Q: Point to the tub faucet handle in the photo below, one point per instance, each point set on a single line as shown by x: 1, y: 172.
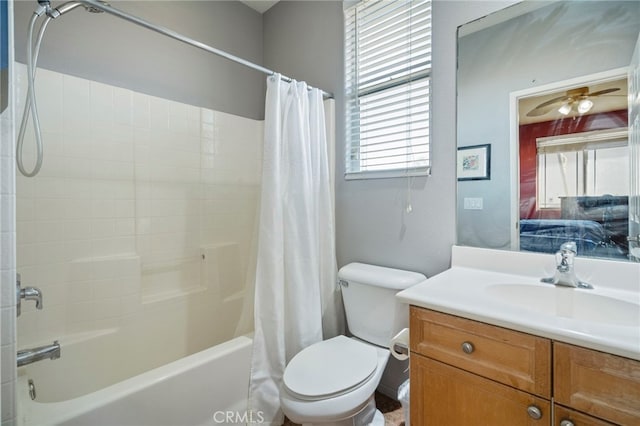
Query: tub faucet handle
x: 27, y: 293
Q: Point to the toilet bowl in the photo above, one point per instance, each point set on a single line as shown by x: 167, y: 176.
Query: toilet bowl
x: 332, y: 383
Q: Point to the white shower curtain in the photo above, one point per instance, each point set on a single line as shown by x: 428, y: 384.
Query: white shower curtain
x: 295, y: 286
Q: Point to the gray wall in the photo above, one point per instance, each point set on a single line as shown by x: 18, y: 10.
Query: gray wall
x: 304, y: 39
x: 106, y: 49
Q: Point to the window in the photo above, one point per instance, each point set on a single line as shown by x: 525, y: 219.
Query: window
x: 590, y: 163
x: 388, y: 72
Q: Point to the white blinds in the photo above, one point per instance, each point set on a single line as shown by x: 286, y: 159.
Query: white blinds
x: 388, y: 69
x: 597, y: 139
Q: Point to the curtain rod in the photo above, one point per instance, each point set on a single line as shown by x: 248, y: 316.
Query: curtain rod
x: 177, y: 36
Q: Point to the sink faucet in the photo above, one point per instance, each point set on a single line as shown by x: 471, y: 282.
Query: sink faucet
x: 28, y: 356
x: 565, y: 274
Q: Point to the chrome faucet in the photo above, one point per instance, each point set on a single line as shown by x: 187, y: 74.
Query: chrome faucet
x: 28, y: 356
x: 565, y: 274
x: 27, y: 293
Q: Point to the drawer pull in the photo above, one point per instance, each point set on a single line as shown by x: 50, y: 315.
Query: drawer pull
x: 534, y: 412
x: 567, y: 423
x: 467, y: 347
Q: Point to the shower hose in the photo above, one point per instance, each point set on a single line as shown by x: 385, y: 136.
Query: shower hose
x: 30, y: 107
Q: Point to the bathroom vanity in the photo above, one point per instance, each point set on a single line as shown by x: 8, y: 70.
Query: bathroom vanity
x: 489, y: 346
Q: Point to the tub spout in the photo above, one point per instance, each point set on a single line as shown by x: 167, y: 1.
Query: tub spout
x: 28, y: 356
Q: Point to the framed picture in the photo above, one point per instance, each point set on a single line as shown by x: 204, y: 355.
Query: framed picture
x: 474, y: 162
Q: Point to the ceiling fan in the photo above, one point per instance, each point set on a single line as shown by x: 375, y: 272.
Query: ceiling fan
x: 578, y: 98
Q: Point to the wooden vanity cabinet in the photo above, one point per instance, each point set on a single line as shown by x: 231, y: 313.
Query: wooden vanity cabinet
x: 465, y: 372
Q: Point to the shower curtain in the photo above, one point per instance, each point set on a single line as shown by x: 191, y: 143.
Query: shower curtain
x: 295, y: 285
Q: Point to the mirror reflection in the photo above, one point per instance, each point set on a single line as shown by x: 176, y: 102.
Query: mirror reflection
x: 545, y: 85
x: 574, y: 169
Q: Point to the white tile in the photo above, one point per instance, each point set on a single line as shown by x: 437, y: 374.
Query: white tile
x: 8, y: 315
x: 80, y: 313
x: 76, y: 104
x: 103, y: 228
x: 7, y: 176
x: 50, y: 209
x: 101, y: 103
x: 7, y: 289
x: 123, y: 106
x: 125, y: 208
x: 8, y: 402
x: 125, y: 227
x: 80, y: 271
x: 141, y: 115
x: 51, y: 323
x: 27, y: 327
x: 106, y: 289
x: 159, y: 114
x: 77, y: 229
x: 80, y: 291
x: 77, y: 249
x: 50, y: 231
x: 7, y: 248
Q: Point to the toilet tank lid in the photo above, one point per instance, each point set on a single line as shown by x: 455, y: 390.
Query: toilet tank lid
x: 380, y: 276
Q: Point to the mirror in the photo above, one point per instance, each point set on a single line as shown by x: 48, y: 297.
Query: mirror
x: 554, y: 54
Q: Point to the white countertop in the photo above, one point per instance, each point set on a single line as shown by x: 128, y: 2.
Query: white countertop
x: 606, y: 318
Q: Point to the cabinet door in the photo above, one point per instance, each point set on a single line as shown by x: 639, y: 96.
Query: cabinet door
x: 445, y: 395
x: 601, y: 384
x: 566, y: 417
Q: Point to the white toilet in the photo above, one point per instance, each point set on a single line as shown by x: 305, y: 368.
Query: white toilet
x: 332, y: 383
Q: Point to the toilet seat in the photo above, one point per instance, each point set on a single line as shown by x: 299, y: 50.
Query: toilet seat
x: 330, y: 368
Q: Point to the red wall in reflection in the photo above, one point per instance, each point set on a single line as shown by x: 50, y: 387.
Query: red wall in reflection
x: 528, y: 157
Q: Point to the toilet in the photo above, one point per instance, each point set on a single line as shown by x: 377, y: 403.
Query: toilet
x: 332, y: 383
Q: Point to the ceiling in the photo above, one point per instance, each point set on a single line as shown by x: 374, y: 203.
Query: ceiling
x: 260, y: 5
x: 613, y: 101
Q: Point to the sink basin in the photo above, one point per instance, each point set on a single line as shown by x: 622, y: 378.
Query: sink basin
x: 568, y: 302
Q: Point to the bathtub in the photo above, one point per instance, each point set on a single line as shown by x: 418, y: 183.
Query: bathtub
x: 207, y: 388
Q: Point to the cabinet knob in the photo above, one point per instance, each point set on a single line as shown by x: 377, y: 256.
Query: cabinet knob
x: 467, y: 347
x: 534, y: 412
x: 566, y: 423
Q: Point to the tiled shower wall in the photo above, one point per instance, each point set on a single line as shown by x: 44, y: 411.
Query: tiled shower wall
x: 134, y: 193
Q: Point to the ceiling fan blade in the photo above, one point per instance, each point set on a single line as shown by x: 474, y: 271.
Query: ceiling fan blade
x: 603, y: 92
x: 547, y: 106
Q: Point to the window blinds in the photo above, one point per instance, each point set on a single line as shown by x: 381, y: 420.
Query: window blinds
x: 597, y: 139
x: 388, y: 69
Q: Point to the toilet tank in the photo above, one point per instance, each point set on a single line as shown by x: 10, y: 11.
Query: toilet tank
x: 368, y: 292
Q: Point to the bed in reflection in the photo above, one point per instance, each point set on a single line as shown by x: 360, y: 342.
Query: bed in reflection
x: 598, y: 225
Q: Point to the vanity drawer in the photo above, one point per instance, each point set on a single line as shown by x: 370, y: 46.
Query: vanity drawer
x: 562, y: 415
x: 516, y: 359
x: 604, y: 385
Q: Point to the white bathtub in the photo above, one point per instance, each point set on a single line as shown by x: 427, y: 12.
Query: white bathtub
x: 206, y: 388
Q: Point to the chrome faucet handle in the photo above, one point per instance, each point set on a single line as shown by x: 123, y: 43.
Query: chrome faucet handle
x: 565, y: 256
x: 27, y: 293
x: 569, y: 247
